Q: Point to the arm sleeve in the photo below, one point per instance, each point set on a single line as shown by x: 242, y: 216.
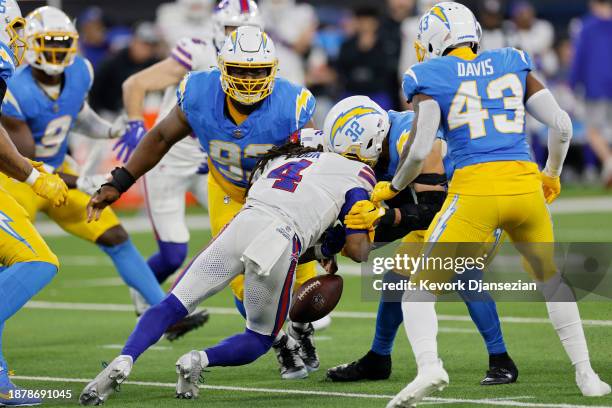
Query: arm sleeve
x: 543, y: 106
x: 350, y: 198
x: 90, y: 124
x: 428, y: 121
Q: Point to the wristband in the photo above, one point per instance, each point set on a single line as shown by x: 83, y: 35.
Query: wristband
x: 318, y: 253
x: 33, y: 176
x: 122, y: 180
x: 392, y: 188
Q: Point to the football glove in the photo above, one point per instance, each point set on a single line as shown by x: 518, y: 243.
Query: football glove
x: 49, y: 186
x: 129, y: 140
x: 382, y: 192
x: 551, y: 186
x: 333, y: 241
x: 363, y: 215
x: 91, y: 184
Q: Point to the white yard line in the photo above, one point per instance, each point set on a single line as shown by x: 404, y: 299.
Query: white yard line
x: 114, y: 307
x: 508, y: 402
x: 140, y: 223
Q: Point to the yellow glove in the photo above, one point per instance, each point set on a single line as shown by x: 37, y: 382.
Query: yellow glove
x: 49, y: 186
x: 363, y: 215
x: 382, y: 192
x: 551, y: 186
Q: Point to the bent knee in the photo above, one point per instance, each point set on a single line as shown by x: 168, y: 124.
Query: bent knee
x: 113, y: 236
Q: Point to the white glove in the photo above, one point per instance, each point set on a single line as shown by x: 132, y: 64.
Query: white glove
x: 91, y: 184
x: 118, y: 128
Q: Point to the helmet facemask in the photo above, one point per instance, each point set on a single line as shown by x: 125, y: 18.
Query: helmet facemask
x: 246, y: 87
x: 54, y: 50
x: 17, y: 43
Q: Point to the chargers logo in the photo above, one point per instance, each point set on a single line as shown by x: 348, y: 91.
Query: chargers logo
x: 401, y: 141
x: 439, y: 13
x: 181, y: 88
x: 5, y: 225
x: 346, y: 117
x: 301, y: 105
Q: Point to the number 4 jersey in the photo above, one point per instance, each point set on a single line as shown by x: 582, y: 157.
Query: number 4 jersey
x: 312, y: 190
x: 481, y: 99
x: 49, y: 120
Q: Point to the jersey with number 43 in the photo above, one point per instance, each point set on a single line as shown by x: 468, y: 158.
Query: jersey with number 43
x: 481, y: 102
x: 49, y: 120
x: 312, y: 190
x: 234, y: 149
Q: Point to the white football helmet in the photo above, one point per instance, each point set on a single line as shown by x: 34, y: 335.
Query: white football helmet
x: 234, y: 13
x: 52, y: 40
x: 11, y: 29
x: 444, y: 26
x: 247, y: 49
x: 356, y: 128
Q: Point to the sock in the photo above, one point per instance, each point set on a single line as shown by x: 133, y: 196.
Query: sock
x: 388, y: 319
x: 168, y: 259
x: 565, y: 318
x: 20, y: 282
x: 135, y: 271
x: 3, y: 364
x: 152, y: 324
x: 240, y: 306
x: 240, y: 349
x: 421, y: 325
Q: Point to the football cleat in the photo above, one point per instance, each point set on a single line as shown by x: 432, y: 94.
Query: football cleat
x: 308, y: 351
x: 13, y: 396
x: 189, y: 369
x: 502, y: 370
x: 591, y: 385
x: 288, y: 355
x: 372, y: 366
x: 109, y: 380
x: 429, y: 379
x: 187, y: 324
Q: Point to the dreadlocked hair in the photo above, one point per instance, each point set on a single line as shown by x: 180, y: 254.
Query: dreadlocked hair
x: 289, y: 149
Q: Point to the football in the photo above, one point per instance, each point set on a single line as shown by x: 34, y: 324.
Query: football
x: 316, y: 298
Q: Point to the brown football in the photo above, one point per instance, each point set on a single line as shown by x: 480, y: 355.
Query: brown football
x: 316, y: 298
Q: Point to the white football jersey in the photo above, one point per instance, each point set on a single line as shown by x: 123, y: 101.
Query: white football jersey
x: 195, y: 55
x: 309, y: 190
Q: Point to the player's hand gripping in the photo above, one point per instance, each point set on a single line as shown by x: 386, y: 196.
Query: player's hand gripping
x: 382, y: 192
x: 363, y: 215
x: 129, y: 140
x: 551, y: 186
x: 104, y: 197
x: 49, y: 186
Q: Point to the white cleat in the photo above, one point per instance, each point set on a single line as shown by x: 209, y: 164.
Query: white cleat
x: 189, y: 368
x: 591, y: 385
x: 429, y: 379
x: 98, y: 391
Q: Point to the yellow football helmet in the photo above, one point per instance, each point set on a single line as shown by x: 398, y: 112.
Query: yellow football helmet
x: 248, y: 65
x: 51, y: 39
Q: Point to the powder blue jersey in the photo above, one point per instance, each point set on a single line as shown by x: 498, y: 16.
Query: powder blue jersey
x: 234, y: 149
x: 49, y: 120
x: 481, y: 102
x: 7, y: 62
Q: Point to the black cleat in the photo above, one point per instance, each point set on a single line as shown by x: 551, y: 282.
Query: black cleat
x: 308, y: 351
x: 372, y: 366
x: 189, y: 323
x: 502, y: 370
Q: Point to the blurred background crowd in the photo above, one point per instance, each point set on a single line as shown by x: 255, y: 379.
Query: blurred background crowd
x: 343, y: 47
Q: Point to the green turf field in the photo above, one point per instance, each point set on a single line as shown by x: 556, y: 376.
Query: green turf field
x: 65, y: 343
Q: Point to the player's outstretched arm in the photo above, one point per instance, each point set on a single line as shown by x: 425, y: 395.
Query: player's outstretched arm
x: 155, y: 78
x: 357, y: 247
x: 154, y: 145
x: 541, y: 104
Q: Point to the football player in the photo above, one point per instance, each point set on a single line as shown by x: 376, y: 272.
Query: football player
x: 238, y: 112
x: 185, y: 167
x: 42, y: 102
x: 409, y: 216
x: 481, y: 106
x: 263, y: 242
x: 26, y: 262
